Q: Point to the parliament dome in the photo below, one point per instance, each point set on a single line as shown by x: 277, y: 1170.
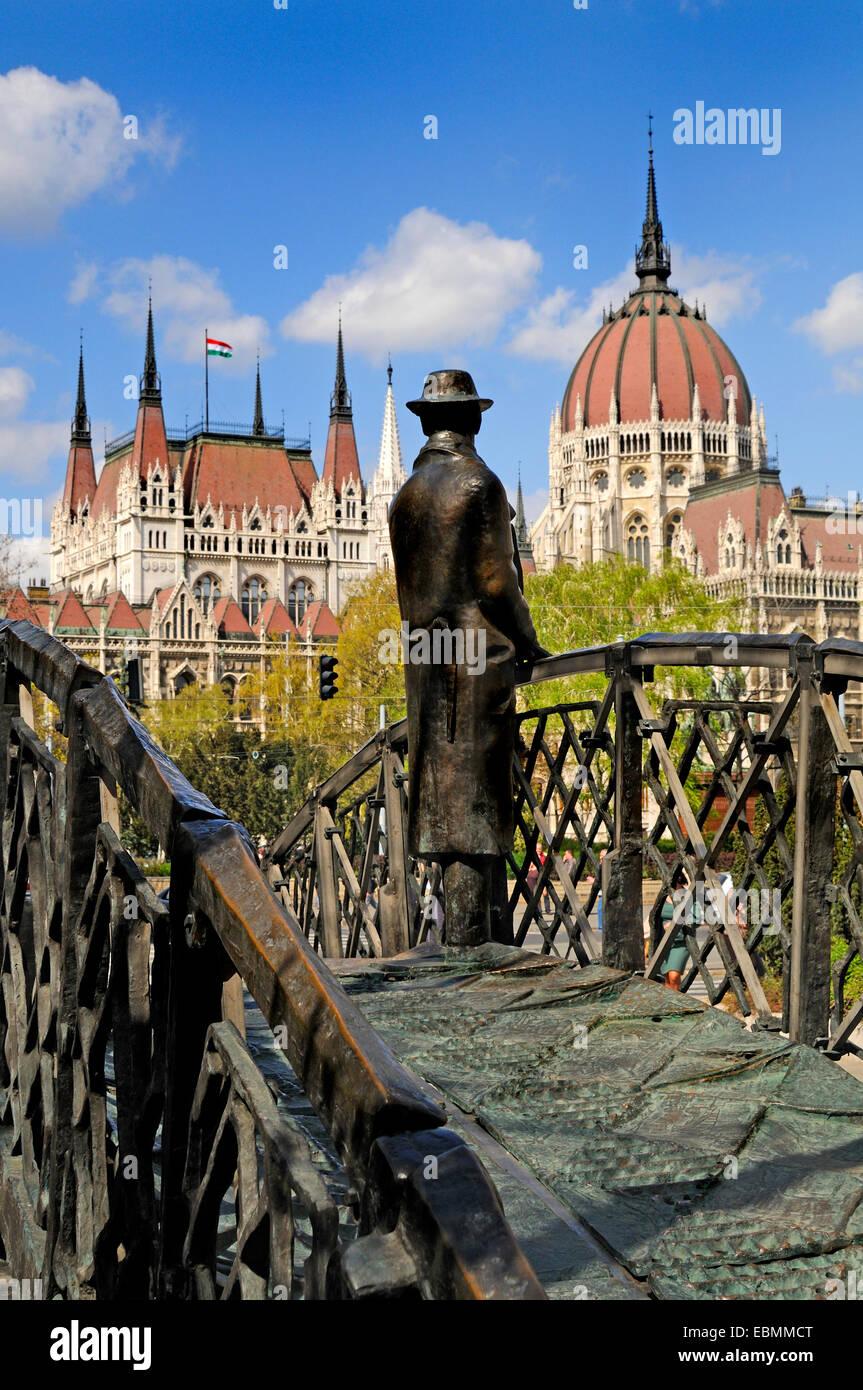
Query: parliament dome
x: 654, y: 339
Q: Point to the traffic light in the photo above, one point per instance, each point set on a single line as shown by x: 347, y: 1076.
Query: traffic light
x: 327, y: 676
x: 133, y: 681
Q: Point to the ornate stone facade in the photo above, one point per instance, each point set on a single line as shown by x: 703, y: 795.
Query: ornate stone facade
x: 196, y: 548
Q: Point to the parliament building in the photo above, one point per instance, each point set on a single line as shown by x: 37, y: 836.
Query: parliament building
x: 195, y: 549
x: 660, y: 449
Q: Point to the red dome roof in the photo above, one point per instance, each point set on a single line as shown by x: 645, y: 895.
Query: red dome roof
x: 655, y: 336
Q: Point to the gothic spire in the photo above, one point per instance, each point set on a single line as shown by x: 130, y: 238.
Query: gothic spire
x: 80, y: 421
x: 340, y: 400
x: 258, y: 426
x: 520, y: 523
x: 653, y: 256
x: 389, y: 475
x: 80, y: 485
x: 151, y: 383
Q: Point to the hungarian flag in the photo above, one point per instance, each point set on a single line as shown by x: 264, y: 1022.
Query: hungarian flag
x: 218, y: 349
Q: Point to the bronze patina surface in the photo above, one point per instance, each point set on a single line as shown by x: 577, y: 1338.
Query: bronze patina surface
x: 712, y: 1162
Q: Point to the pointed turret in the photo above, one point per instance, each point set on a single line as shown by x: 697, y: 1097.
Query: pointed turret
x: 258, y: 425
x: 151, y: 382
x: 653, y: 256
x: 341, y: 460
x: 151, y: 444
x: 389, y: 474
x: 522, y: 536
x: 80, y: 470
x: 340, y: 400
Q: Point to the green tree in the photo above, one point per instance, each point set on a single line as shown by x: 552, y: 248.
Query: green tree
x: 596, y: 604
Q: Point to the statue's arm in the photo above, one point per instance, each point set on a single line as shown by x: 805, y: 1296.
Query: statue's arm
x: 496, y: 578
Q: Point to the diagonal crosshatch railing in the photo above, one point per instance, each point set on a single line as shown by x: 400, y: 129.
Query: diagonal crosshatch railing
x: 131, y: 1110
x: 754, y: 786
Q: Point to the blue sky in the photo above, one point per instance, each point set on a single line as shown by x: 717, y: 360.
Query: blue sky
x: 260, y: 127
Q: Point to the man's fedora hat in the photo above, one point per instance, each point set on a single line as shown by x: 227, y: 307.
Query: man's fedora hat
x: 448, y: 388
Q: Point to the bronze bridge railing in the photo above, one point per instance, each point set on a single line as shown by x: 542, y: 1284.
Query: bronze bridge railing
x: 131, y: 1110
x: 763, y: 783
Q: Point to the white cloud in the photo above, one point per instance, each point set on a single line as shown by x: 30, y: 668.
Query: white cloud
x: 849, y: 380
x: 15, y: 387
x: 62, y: 142
x: 727, y: 288
x: 187, y: 298
x: 84, y: 282
x: 839, y: 325
x: 13, y: 346
x: 435, y: 285
x: 28, y: 446
x: 558, y: 328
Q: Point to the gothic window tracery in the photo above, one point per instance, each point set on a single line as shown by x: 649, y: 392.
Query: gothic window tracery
x: 300, y: 596
x: 207, y: 592
x: 254, y: 596
x: 600, y: 482
x: 636, y: 478
x: 675, y: 477
x: 638, y: 541
x: 672, y: 529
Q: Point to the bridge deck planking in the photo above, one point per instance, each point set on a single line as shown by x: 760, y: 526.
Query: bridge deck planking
x: 695, y: 1159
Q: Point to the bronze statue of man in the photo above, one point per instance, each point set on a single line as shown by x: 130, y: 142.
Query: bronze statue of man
x: 468, y: 626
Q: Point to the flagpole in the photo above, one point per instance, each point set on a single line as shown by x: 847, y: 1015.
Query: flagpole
x: 206, y: 386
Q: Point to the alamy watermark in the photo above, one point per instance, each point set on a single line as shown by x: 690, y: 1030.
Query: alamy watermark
x: 713, y: 907
x: 847, y: 519
x: 435, y: 646
x: 21, y: 516
x: 737, y: 126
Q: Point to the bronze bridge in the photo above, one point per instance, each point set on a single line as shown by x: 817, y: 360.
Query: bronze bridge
x: 133, y: 1113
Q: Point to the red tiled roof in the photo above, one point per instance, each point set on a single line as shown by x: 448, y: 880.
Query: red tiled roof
x: 746, y: 496
x: 233, y: 472
x: 80, y: 477
x: 838, y: 551
x: 150, y: 445
x: 274, y: 618
x: 106, y: 489
x: 43, y: 614
x: 680, y: 348
x: 304, y: 473
x: 70, y: 612
x: 341, y: 460
x: 229, y: 619
x: 18, y: 606
x: 121, y: 616
x: 161, y: 596
x: 319, y: 616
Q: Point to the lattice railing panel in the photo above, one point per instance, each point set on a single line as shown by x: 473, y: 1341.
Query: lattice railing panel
x: 564, y: 796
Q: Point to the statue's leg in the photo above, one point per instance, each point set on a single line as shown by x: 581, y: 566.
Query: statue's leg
x: 501, y: 915
x: 467, y: 893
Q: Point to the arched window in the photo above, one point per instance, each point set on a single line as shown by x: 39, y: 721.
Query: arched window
x: 783, y: 552
x: 638, y: 541
x: 636, y: 478
x: 600, y: 482
x: 254, y: 596
x: 207, y: 592
x: 672, y: 529
x: 300, y: 596
x: 675, y: 477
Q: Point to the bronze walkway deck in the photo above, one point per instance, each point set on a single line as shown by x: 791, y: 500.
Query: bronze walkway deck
x: 643, y: 1143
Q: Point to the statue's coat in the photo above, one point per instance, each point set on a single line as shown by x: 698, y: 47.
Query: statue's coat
x: 452, y: 540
